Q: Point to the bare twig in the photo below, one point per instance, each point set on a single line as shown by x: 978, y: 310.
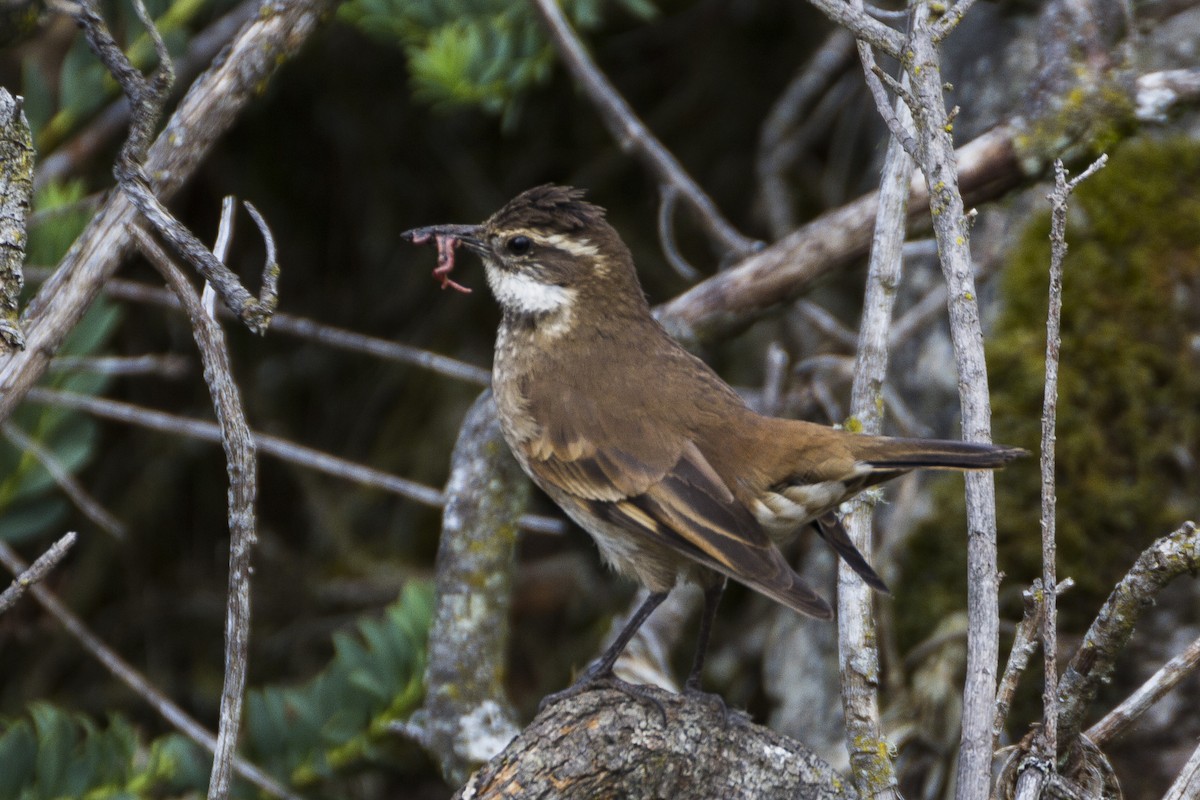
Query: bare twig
x: 243, y: 488
x: 113, y: 120
x: 951, y: 226
x: 267, y: 445
x: 145, y: 107
x: 1117, y: 721
x: 858, y: 656
x: 875, y: 78
x: 255, y: 312
x: 1045, y: 746
x: 821, y: 320
x: 667, y: 197
x: 778, y: 147
x: 137, y: 682
x: 208, y: 110
x: 167, y: 365
x: 951, y: 18
x: 1092, y: 665
x: 28, y: 576
x: 146, y: 97
x: 1187, y: 785
x: 864, y: 28
x: 1025, y: 644
x: 313, y: 331
x: 633, y: 135
x: 774, y: 376
x: 467, y: 718
x: 16, y: 187
x: 62, y: 476
x: 729, y: 301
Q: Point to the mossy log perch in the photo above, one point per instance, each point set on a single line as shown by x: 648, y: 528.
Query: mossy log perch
x: 606, y: 744
x: 16, y: 187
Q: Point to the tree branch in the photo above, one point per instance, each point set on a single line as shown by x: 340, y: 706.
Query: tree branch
x: 312, y: 331
x: 207, y: 110
x: 109, y: 123
x: 120, y: 669
x: 16, y: 187
x: 1117, y: 721
x: 242, y: 466
x: 1093, y: 663
x: 634, y: 137
x: 1042, y: 760
x: 466, y: 718
x: 28, y: 576
x: 1007, y: 156
x: 951, y: 227
x: 267, y: 445
x: 88, y: 505
x: 864, y: 28
x: 146, y: 99
x: 858, y: 655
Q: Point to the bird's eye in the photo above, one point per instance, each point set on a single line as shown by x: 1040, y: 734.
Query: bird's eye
x: 519, y: 245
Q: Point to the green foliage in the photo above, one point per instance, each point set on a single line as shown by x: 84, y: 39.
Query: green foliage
x: 57, y: 754
x: 474, y: 52
x: 30, y: 504
x: 56, y: 109
x: 303, y: 734
x: 63, y: 213
x: 339, y: 718
x: 1128, y: 428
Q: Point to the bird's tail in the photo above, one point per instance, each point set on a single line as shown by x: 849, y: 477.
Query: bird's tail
x: 892, y: 455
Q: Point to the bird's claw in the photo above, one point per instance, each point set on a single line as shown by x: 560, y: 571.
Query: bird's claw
x: 591, y: 681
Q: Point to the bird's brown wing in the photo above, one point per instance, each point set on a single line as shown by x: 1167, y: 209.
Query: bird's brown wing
x: 676, y: 500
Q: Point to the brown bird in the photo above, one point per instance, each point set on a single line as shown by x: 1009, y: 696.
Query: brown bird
x: 640, y: 442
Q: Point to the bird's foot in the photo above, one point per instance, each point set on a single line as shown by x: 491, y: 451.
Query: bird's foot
x: 692, y: 691
x: 604, y: 679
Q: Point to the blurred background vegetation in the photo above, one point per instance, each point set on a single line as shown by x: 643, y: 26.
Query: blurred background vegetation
x: 402, y: 113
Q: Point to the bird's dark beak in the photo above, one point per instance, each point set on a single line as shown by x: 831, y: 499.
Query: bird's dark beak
x: 471, y: 236
x: 448, y: 237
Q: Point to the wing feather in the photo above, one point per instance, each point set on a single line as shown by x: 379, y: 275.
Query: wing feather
x: 685, y: 506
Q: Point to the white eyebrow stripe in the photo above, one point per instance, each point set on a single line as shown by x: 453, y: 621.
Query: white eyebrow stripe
x: 576, y: 247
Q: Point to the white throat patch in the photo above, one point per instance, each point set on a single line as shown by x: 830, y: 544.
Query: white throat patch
x: 523, y: 294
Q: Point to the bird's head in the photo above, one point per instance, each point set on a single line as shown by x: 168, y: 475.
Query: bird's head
x: 545, y: 251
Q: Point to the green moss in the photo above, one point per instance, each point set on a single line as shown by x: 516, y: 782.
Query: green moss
x: 872, y: 764
x: 1129, y: 390
x: 1090, y: 119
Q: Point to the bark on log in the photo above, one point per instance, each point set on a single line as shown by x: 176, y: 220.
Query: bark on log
x: 606, y: 744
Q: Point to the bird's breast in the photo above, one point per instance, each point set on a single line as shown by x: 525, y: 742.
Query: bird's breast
x: 512, y: 364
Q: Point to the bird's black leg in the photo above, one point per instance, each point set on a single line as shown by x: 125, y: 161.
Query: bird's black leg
x: 692, y: 686
x: 600, y: 673
x: 712, y: 599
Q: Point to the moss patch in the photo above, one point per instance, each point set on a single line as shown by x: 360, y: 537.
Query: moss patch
x: 1129, y: 389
